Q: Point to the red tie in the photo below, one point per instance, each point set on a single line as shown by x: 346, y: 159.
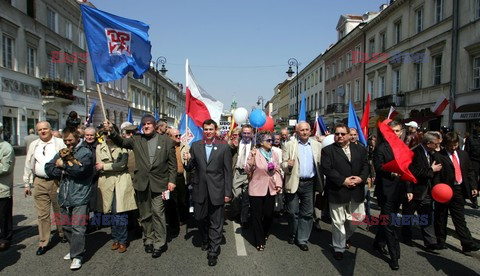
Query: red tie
x: 458, y: 171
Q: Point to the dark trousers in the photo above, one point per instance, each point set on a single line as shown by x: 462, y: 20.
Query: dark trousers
x: 176, y: 208
x: 424, y: 208
x: 119, y: 226
x: 262, y: 216
x: 457, y: 212
x: 152, y: 216
x: 6, y: 220
x: 386, y: 233
x: 210, y: 219
x: 74, y: 230
x: 300, y: 210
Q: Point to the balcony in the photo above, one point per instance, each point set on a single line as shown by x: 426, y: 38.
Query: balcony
x: 390, y: 100
x: 336, y: 108
x: 56, y: 91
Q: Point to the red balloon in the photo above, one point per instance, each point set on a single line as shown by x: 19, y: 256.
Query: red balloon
x: 442, y: 193
x: 268, y: 124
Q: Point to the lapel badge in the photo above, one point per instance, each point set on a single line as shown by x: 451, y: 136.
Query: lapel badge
x: 158, y: 147
x: 214, y: 148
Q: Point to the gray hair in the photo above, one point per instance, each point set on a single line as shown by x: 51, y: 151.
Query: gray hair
x: 45, y: 122
x: 429, y: 137
x: 90, y: 129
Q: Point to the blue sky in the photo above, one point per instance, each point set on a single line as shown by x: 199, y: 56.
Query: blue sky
x: 238, y: 48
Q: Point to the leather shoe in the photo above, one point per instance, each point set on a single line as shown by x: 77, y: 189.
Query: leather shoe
x: 122, y: 248
x: 408, y: 242
x: 156, y: 253
x: 204, y: 246
x: 338, y: 256
x: 212, y: 260
x: 291, y: 240
x: 115, y: 246
x: 63, y: 240
x: 394, y: 264
x: 41, y: 250
x: 148, y: 248
x: 4, y: 246
x: 303, y: 247
x: 431, y: 248
x: 442, y: 246
x: 471, y: 248
x: 380, y: 249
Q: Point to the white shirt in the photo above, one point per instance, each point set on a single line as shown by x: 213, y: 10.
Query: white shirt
x: 44, y: 152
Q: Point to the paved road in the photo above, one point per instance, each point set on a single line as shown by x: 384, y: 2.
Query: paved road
x: 238, y: 256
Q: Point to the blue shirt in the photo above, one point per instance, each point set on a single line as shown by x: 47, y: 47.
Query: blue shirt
x: 208, y: 150
x: 307, y: 163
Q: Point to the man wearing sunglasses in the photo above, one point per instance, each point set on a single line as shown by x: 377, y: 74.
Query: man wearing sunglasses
x: 345, y: 166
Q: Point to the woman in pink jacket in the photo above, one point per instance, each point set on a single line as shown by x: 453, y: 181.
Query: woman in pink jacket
x: 263, y: 167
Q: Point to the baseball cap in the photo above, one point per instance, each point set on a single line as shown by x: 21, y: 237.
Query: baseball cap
x: 412, y: 124
x: 128, y: 126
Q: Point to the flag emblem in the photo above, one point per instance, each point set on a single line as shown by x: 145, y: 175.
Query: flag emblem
x: 118, y: 42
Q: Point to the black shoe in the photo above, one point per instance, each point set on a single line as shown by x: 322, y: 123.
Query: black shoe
x: 441, y: 246
x: 338, y: 256
x: 41, y: 250
x: 212, y: 260
x: 431, y: 248
x: 380, y: 249
x: 394, y: 264
x: 291, y: 240
x: 471, y: 248
x: 245, y: 225
x: 148, y: 248
x: 408, y: 242
x: 156, y: 253
x: 303, y: 247
x: 63, y: 240
x: 204, y: 246
x: 347, y: 244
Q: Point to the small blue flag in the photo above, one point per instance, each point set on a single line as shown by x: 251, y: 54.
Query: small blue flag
x: 116, y: 45
x: 156, y: 115
x: 353, y: 122
x: 129, y: 116
x: 90, y: 114
x: 302, y: 115
x: 194, y: 132
x: 322, y: 126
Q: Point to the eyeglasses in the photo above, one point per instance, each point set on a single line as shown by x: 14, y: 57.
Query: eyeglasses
x: 267, y: 140
x: 340, y: 133
x: 178, y: 135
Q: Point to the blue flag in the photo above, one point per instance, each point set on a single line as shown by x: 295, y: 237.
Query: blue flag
x: 321, y: 125
x: 90, y: 114
x: 194, y: 132
x: 302, y: 115
x: 353, y: 122
x: 129, y: 116
x: 156, y: 115
x: 116, y: 45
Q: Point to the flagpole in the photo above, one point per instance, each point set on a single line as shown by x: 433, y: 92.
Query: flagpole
x: 101, y: 101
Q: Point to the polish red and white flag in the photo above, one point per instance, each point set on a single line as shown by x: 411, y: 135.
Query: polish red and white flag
x: 392, y: 113
x: 440, y: 105
x: 199, y: 104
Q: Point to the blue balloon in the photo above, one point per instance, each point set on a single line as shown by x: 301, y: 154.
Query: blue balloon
x: 258, y: 118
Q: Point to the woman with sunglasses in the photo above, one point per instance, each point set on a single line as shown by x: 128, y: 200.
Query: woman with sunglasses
x: 266, y: 181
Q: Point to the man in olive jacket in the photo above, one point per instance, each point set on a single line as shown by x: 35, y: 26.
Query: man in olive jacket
x: 155, y: 173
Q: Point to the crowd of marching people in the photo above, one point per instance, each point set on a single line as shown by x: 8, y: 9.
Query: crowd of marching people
x: 152, y: 182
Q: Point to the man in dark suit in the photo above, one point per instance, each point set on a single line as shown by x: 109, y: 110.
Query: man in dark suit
x: 390, y: 191
x: 155, y: 175
x: 419, y: 196
x: 458, y: 173
x: 345, y: 166
x: 212, y: 187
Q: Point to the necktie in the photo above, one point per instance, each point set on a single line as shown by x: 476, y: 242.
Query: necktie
x: 458, y: 171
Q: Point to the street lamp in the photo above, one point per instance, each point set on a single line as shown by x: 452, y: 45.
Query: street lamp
x: 260, y: 101
x: 160, y: 60
x: 292, y: 62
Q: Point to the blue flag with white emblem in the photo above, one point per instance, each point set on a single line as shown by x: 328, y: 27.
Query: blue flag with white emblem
x: 116, y: 45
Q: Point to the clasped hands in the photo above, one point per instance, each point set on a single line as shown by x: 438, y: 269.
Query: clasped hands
x: 352, y: 181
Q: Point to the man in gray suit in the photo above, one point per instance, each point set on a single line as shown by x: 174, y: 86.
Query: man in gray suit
x: 156, y: 171
x: 212, y: 186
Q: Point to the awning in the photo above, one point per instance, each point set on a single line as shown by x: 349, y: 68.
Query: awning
x: 467, y: 112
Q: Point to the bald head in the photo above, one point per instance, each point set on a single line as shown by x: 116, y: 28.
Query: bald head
x: 174, y: 134
x: 303, y: 131
x: 44, y: 131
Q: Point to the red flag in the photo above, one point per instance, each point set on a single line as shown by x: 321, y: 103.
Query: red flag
x: 402, y: 154
x: 366, y: 118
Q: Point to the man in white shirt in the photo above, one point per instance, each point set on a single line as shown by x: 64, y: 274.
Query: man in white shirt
x: 45, y: 193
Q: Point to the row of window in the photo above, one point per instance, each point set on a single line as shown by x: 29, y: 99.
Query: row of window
x: 53, y: 24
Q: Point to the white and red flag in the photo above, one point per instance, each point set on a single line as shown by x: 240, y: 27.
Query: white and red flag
x: 200, y: 105
x: 392, y: 113
x: 440, y: 105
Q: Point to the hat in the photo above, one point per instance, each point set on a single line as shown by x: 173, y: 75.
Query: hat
x: 412, y: 124
x: 127, y: 126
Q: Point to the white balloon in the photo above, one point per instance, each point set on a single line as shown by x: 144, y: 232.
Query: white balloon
x: 328, y: 140
x: 240, y: 115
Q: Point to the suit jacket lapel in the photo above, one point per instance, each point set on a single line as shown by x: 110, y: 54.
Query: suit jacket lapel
x: 204, y: 152
x: 144, y: 147
x: 158, y: 149
x: 342, y: 153
x: 213, y: 152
